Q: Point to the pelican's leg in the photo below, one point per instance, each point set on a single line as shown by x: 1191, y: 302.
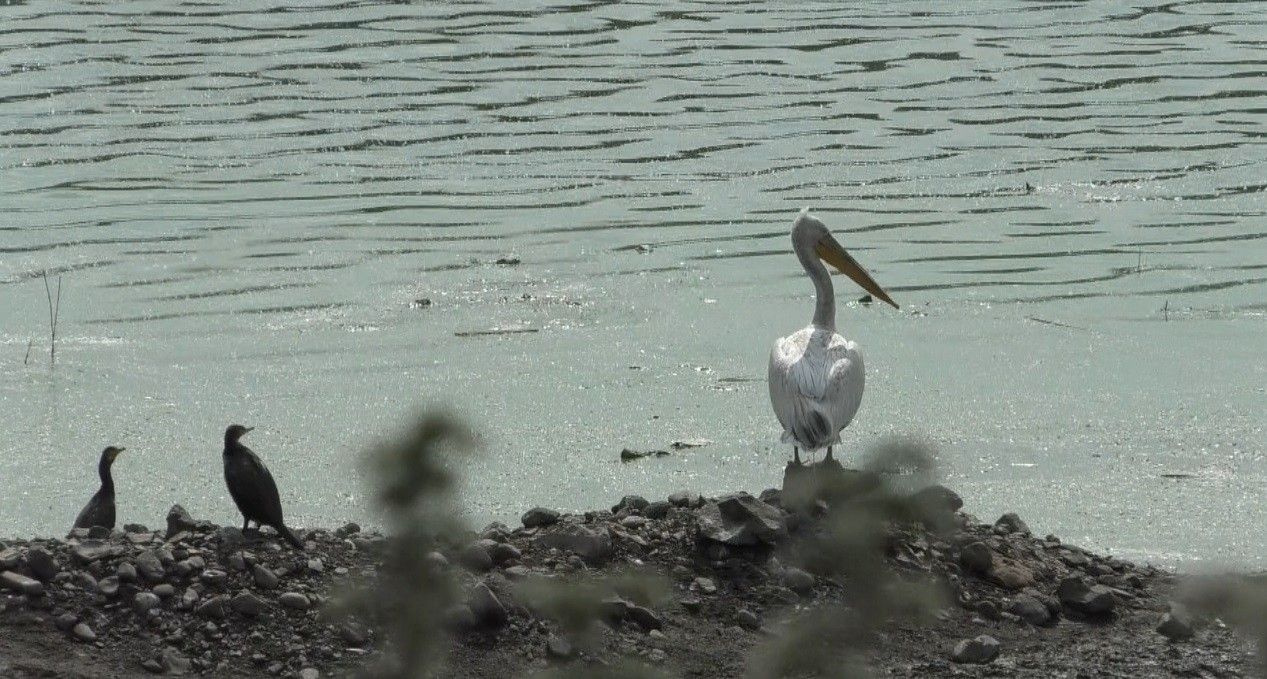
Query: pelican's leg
x: 829, y: 457
x: 796, y: 455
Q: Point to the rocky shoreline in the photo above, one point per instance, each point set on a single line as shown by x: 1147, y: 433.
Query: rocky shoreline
x: 199, y: 599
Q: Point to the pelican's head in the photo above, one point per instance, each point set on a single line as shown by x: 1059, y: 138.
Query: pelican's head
x: 809, y: 235
x: 235, y: 432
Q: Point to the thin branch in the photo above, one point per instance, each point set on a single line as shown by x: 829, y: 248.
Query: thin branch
x: 54, y: 312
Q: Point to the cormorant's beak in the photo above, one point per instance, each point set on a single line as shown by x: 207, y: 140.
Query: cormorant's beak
x: 831, y: 252
x: 249, y: 428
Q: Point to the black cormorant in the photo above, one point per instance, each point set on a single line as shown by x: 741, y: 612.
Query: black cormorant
x: 100, y: 509
x: 252, y: 486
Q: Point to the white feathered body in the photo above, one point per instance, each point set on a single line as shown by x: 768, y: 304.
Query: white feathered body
x: 816, y: 381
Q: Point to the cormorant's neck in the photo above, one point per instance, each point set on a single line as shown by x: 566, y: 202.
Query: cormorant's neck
x: 824, y: 293
x: 232, y: 446
x: 103, y: 470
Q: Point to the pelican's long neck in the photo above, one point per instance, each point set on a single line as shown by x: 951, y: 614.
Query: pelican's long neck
x: 103, y: 470
x: 824, y: 293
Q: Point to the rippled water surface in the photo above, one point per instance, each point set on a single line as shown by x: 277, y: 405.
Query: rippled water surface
x: 245, y: 206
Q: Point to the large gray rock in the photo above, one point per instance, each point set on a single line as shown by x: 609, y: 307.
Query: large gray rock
x: 90, y: 550
x: 20, y: 583
x: 645, y: 618
x: 1010, y: 523
x: 977, y: 558
x: 685, y: 498
x: 488, y: 609
x: 741, y: 520
x: 248, y: 604
x: 42, y: 564
x: 982, y: 649
x: 539, y: 516
x: 150, y: 566
x: 294, y: 601
x: 264, y: 577
x: 1094, y: 600
x: 1176, y: 625
x: 214, y: 608
x: 635, y: 503
x: 798, y: 581
x: 144, y: 601
x: 83, y: 632
x: 595, y: 547
x: 1030, y: 610
x: 475, y: 556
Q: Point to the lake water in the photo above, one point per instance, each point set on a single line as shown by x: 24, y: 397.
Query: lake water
x: 244, y: 206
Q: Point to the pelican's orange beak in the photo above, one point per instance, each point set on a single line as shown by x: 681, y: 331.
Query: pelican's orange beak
x: 831, y: 252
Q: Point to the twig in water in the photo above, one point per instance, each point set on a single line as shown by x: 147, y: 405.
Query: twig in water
x: 54, y: 313
x: 1058, y: 325
x: 1165, y: 310
x: 29, y: 344
x: 1139, y: 260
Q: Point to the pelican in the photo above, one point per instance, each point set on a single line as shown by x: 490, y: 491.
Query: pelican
x: 816, y: 376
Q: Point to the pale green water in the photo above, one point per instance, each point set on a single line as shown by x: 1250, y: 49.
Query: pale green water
x: 243, y: 204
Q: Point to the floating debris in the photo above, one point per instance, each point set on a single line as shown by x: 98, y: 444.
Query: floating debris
x: 629, y: 454
x: 1058, y: 325
x: 508, y: 260
x: 642, y: 248
x: 420, y: 303
x: 495, y: 331
x: 689, y: 443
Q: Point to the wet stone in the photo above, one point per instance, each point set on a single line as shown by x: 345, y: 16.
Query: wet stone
x: 165, y: 591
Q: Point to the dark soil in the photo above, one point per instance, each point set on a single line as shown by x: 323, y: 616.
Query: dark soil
x: 221, y: 600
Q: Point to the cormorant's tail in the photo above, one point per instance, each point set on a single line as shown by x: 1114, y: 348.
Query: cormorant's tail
x: 290, y: 537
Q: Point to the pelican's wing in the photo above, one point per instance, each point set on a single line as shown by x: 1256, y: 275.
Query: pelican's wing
x: 816, y: 385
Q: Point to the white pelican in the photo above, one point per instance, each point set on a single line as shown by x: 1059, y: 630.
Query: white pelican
x: 816, y: 376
